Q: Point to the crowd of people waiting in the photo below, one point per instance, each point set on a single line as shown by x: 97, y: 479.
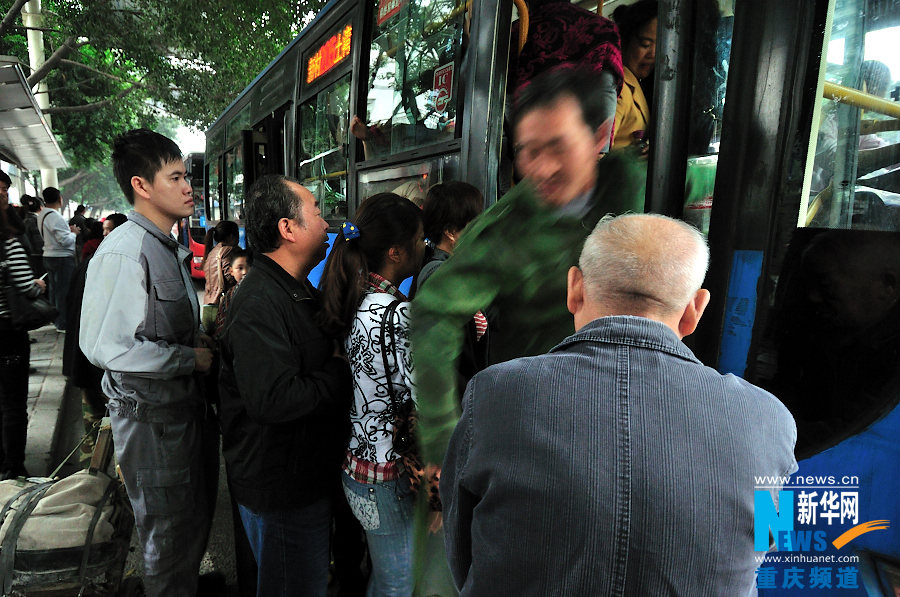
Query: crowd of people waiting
x: 340, y: 406
x: 337, y: 406
x: 39, y: 257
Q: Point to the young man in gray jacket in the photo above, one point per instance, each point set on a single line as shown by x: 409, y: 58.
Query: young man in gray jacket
x: 140, y: 323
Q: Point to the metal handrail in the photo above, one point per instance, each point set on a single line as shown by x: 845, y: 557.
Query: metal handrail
x: 523, y: 23
x: 860, y: 99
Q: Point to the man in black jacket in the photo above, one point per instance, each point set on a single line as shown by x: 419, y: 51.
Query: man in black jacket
x: 285, y: 394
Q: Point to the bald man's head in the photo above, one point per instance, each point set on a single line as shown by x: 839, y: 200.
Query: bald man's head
x: 642, y: 264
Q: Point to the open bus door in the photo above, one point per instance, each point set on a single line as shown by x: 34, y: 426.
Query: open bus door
x: 805, y: 261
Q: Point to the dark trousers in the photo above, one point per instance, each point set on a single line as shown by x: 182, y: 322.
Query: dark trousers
x: 59, y: 276
x: 15, y: 351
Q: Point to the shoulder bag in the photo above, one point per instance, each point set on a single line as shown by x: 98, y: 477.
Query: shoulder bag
x: 25, y: 313
x: 405, y: 444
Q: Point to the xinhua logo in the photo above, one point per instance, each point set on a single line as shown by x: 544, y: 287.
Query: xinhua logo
x: 833, y: 507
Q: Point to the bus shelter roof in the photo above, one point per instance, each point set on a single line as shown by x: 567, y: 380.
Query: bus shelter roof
x: 25, y: 137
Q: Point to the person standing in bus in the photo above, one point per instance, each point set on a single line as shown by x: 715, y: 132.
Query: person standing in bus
x: 513, y: 259
x: 285, y: 389
x: 383, y: 245
x: 140, y: 323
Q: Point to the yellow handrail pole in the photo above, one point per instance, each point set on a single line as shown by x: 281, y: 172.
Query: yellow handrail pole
x: 523, y: 23
x: 600, y: 7
x: 855, y: 97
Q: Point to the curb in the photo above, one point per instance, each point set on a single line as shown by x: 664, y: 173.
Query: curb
x: 48, y: 390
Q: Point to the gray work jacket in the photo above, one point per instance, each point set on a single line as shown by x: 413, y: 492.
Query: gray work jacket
x: 140, y: 321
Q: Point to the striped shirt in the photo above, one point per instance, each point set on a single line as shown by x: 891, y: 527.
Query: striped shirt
x: 17, y: 273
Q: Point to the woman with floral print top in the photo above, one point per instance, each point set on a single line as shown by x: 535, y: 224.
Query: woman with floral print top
x: 361, y: 303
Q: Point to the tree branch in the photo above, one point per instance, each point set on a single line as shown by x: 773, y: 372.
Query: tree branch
x: 90, y: 107
x: 94, y: 70
x: 11, y: 16
x: 49, y: 64
x: 117, y: 78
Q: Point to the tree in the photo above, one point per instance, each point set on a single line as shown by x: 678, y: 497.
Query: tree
x: 116, y: 64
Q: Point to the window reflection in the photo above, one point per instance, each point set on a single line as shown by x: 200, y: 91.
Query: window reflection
x: 714, y: 26
x: 215, y: 205
x: 414, y: 69
x: 854, y: 178
x: 234, y: 182
x: 410, y: 180
x: 324, y: 138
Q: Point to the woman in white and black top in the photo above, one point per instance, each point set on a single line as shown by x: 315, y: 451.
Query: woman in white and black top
x: 361, y: 303
x: 14, y: 352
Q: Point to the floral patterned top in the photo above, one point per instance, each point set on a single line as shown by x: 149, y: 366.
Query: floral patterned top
x: 371, y: 414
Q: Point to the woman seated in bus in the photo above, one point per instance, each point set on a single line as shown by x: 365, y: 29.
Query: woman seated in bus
x: 637, y: 28
x: 361, y: 303
x: 215, y: 261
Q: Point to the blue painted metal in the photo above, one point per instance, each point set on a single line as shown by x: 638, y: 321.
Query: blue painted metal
x: 740, y: 311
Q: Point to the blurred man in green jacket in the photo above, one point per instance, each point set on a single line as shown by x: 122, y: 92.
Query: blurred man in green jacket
x: 512, y: 261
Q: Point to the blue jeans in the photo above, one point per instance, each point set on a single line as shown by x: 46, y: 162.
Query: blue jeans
x: 59, y: 274
x: 385, y: 511
x: 291, y: 549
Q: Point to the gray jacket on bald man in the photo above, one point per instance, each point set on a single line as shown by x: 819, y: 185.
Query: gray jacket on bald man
x: 616, y: 464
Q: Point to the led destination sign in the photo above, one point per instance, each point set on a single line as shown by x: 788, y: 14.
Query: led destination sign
x: 329, y: 54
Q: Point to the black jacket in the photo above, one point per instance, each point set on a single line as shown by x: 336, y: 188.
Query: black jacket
x: 284, y: 398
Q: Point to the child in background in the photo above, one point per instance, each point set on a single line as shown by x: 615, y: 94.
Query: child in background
x: 240, y: 266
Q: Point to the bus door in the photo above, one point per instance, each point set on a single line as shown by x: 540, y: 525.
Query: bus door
x: 805, y: 258
x: 265, y: 146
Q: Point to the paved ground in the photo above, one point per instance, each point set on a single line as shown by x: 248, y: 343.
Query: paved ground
x: 46, y: 389
x: 55, y: 428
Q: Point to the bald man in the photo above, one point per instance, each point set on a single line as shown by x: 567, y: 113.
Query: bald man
x: 616, y: 464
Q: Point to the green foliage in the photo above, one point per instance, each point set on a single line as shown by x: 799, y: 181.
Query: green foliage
x: 139, y: 61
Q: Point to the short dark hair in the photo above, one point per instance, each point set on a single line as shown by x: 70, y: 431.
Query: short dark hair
x: 93, y: 229
x: 141, y: 152
x: 80, y: 208
x: 631, y: 18
x: 268, y: 200
x: 450, y: 206
x: 551, y: 86
x: 4, y: 177
x: 51, y: 195
x: 117, y: 219
x: 32, y: 204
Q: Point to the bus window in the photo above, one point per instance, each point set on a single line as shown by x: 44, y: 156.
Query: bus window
x: 409, y: 180
x: 234, y: 182
x: 324, y: 138
x: 414, y: 69
x: 215, y: 204
x: 710, y: 74
x: 853, y: 173
x: 830, y: 348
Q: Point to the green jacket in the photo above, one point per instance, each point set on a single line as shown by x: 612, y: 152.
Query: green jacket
x: 514, y: 260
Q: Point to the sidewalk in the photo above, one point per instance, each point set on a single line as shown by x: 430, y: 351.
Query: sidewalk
x: 54, y: 426
x: 46, y: 393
